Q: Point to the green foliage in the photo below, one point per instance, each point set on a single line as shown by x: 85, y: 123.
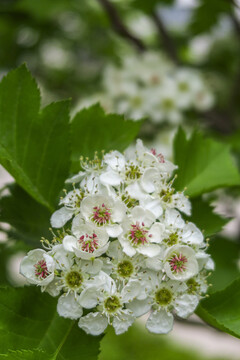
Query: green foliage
x: 34, y: 146
x: 202, y: 21
x: 29, y: 219
x: 204, y: 217
x: 204, y: 164
x: 28, y: 320
x: 43, y: 9
x: 226, y: 254
x: 92, y: 130
x: 221, y: 309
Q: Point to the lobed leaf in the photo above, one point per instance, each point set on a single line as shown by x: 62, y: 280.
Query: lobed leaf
x: 28, y: 320
x: 29, y: 219
x: 222, y: 309
x: 204, y: 164
x: 34, y: 144
x: 225, y: 254
x: 205, y: 218
x: 25, y: 355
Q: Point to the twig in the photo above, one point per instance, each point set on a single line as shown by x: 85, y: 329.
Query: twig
x: 218, y: 120
x: 119, y: 26
x: 165, y: 38
x: 236, y: 24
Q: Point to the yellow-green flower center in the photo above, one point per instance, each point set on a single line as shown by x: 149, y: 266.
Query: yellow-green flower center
x: 172, y: 239
x: 166, y: 195
x: 74, y: 279
x: 192, y: 286
x: 133, y: 172
x: 163, y: 297
x: 112, y: 304
x: 125, y: 268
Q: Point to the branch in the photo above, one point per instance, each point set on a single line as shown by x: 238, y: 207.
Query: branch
x: 165, y: 38
x: 236, y: 25
x: 219, y: 120
x: 119, y: 26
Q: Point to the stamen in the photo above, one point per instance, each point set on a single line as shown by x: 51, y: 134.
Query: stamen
x: 138, y: 234
x: 159, y: 156
x: 101, y: 215
x: 177, y: 263
x: 89, y: 243
x: 41, y: 270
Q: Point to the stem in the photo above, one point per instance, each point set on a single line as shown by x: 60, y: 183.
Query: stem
x: 119, y: 26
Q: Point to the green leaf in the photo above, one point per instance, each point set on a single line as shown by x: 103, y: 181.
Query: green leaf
x: 205, y: 218
x: 25, y: 355
x: 225, y: 254
x: 30, y: 219
x: 92, y: 130
x: 222, y: 309
x: 28, y: 320
x: 204, y: 164
x: 34, y: 146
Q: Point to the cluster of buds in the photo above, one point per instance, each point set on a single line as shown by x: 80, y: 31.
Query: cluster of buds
x: 122, y: 247
x: 151, y: 86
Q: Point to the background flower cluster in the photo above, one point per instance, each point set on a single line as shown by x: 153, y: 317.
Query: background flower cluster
x: 152, y: 86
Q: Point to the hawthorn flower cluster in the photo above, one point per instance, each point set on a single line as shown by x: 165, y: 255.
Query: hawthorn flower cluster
x: 151, y: 86
x: 122, y: 248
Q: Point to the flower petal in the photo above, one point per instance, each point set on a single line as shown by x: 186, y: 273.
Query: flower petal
x: 93, y: 323
x: 60, y: 217
x: 149, y: 250
x: 131, y: 290
x: 123, y: 322
x: 111, y: 178
x: 139, y: 307
x: 160, y: 322
x: 68, y: 307
x: 69, y: 243
x: 185, y: 305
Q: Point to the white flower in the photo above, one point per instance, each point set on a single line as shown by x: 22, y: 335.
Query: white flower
x: 88, y: 241
x: 104, y: 212
x: 150, y: 158
x: 125, y: 268
x: 110, y: 304
x: 71, y: 279
x: 38, y: 267
x: 168, y: 198
x: 71, y: 204
x: 180, y: 262
x: 163, y: 298
x: 176, y: 231
x: 140, y: 236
